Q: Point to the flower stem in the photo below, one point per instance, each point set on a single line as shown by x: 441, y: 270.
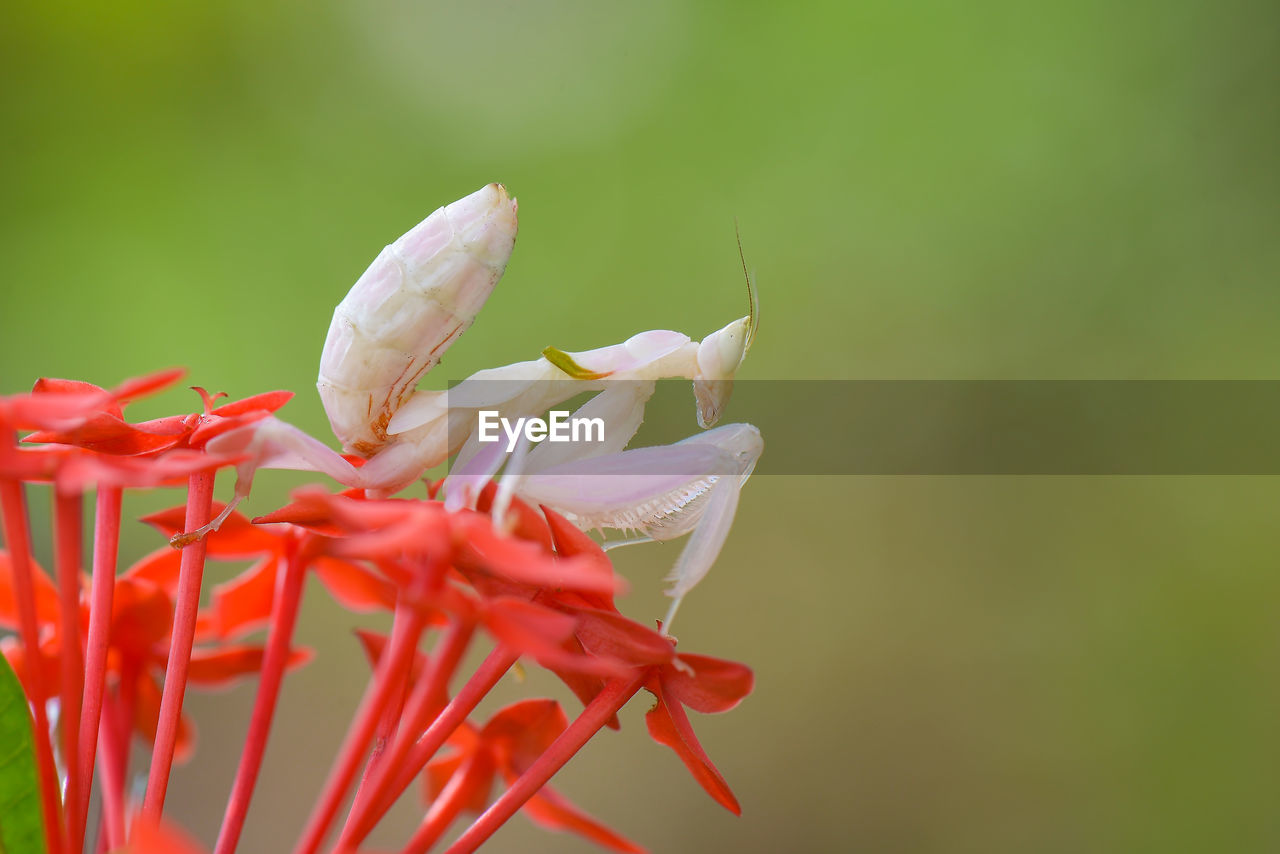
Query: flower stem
x: 13, y: 507
x: 402, y: 771
x: 106, y: 542
x: 385, y: 732
x: 373, y: 766
x: 444, y: 809
x: 110, y: 777
x: 68, y: 548
x: 190, y: 576
x: 428, y: 696
x: 390, y: 672
x: 284, y: 617
x: 606, y: 704
x: 114, y: 739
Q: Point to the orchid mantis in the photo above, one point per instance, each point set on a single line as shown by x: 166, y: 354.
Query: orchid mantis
x: 419, y: 295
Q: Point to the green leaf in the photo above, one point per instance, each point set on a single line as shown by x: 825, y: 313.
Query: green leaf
x: 21, y: 820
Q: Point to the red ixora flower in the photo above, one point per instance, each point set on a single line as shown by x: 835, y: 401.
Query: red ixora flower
x: 141, y: 619
x: 540, y: 589
x: 244, y: 603
x: 102, y: 427
x: 506, y: 746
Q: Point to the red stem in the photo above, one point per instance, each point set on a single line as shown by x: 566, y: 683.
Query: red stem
x: 115, y: 740
x: 606, y: 704
x: 284, y: 617
x: 383, y: 735
x: 394, y: 663
x: 111, y: 777
x: 101, y: 845
x: 13, y: 507
x: 68, y: 548
x: 106, y: 541
x: 444, y: 809
x: 419, y: 753
x: 428, y: 697
x: 190, y: 575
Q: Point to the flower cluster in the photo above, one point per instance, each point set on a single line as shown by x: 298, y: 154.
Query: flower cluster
x: 114, y: 652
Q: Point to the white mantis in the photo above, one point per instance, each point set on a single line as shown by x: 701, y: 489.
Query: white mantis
x: 418, y: 296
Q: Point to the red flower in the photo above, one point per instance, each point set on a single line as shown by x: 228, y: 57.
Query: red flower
x: 103, y: 429
x: 243, y: 604
x: 84, y: 419
x: 507, y: 745
x: 141, y: 619
x: 704, y: 684
x: 542, y: 589
x: 160, y: 837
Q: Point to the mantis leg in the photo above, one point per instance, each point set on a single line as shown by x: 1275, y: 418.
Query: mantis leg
x: 270, y: 443
x: 619, y: 408
x: 665, y: 492
x: 630, y: 541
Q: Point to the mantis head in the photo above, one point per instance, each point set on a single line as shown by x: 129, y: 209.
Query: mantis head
x: 721, y: 353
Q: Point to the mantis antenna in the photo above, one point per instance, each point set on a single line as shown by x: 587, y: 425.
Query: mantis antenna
x: 753, y: 312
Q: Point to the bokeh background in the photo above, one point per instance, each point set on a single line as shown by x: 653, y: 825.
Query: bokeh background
x: 925, y: 190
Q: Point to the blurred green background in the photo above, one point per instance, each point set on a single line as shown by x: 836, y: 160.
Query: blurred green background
x: 925, y: 190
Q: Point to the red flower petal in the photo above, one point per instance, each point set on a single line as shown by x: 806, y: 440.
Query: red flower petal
x: 471, y: 792
x: 132, y: 389
x: 522, y: 731
x: 481, y: 548
x: 40, y: 464
x: 146, y: 718
x: 46, y: 594
x: 551, y: 810
x: 159, y: 568
x: 50, y: 671
x: 540, y: 632
x: 714, y: 686
x: 236, y: 539
x: 212, y: 426
x: 354, y: 587
x: 529, y: 524
x: 438, y: 771
x: 216, y: 668
x: 141, y: 616
x: 312, y: 509
x: 268, y: 401
x: 669, y: 725
x: 53, y: 385
x: 391, y: 528
x: 571, y: 542
x: 518, y: 617
x: 79, y: 471
x: 584, y: 686
x: 609, y: 634
x: 151, y: 837
x: 51, y: 411
x: 243, y: 604
x: 108, y: 433
x: 374, y: 643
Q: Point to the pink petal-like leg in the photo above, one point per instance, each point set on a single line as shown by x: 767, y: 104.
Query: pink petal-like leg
x: 663, y: 493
